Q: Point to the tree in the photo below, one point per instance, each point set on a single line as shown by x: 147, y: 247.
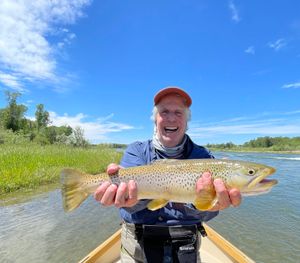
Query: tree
x: 42, y: 117
x: 13, y: 114
x: 2, y: 118
x: 78, y: 137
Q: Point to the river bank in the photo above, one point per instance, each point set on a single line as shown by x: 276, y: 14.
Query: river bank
x: 254, y: 150
x: 25, y: 167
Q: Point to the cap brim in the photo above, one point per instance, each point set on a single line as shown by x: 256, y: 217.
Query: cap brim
x: 172, y: 90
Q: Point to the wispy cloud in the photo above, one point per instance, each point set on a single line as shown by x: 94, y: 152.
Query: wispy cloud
x: 250, y: 50
x: 95, y: 130
x: 12, y: 81
x: 278, y: 44
x: 295, y: 85
x: 234, y: 12
x: 268, y: 124
x: 26, y: 52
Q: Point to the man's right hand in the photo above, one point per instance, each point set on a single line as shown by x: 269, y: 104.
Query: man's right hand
x: 124, y: 195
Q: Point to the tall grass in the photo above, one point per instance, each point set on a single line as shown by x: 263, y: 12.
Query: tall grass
x: 30, y: 165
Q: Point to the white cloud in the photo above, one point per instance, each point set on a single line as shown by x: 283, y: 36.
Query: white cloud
x: 250, y: 50
x: 95, y: 131
x: 11, y: 81
x: 295, y: 85
x: 234, y: 12
x: 25, y: 26
x: 278, y: 44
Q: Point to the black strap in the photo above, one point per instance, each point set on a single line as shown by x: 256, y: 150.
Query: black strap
x: 139, y: 230
x: 202, y: 230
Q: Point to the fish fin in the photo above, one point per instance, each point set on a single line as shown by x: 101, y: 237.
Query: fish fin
x: 205, y: 200
x: 72, y: 190
x: 157, y: 204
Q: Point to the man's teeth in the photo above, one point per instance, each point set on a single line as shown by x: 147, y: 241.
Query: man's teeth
x: 171, y: 129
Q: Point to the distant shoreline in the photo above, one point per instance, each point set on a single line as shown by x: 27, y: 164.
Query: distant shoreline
x: 254, y: 151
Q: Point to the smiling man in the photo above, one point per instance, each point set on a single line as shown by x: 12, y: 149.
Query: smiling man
x: 169, y: 234
x: 171, y: 114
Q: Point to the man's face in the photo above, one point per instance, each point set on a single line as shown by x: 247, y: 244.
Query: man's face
x: 171, y: 120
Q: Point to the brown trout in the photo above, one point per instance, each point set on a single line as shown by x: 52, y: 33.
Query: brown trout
x: 172, y: 180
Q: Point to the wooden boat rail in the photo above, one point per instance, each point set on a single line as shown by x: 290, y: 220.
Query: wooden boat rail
x: 216, y: 245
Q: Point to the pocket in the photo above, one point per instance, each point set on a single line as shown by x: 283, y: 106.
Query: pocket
x: 185, y: 250
x: 187, y: 253
x: 153, y: 250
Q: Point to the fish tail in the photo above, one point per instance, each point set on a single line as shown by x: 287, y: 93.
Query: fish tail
x: 73, y: 190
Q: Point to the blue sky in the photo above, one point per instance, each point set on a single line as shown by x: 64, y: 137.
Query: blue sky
x: 98, y: 64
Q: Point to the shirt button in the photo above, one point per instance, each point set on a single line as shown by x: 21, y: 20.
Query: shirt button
x: 160, y: 218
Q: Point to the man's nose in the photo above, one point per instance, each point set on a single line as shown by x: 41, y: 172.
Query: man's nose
x: 171, y: 116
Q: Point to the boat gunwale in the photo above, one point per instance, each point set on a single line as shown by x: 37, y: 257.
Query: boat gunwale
x: 224, y: 245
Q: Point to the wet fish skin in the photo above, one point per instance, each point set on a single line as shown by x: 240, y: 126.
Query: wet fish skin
x: 172, y: 180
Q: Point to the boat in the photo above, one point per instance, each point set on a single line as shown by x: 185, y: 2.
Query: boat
x: 213, y: 249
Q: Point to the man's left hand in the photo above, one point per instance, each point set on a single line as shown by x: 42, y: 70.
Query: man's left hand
x: 226, y: 198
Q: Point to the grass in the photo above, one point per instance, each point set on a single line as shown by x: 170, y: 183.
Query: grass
x: 30, y: 166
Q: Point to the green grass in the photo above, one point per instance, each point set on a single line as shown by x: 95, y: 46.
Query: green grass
x: 29, y: 166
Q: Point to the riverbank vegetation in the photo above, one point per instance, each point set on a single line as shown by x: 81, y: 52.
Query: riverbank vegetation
x: 261, y: 144
x: 16, y: 128
x: 27, y: 166
x: 33, y: 152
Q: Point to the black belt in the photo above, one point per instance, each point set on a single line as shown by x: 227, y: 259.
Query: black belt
x: 165, y: 231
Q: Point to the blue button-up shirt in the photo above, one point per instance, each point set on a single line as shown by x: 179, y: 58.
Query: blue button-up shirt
x: 142, y: 153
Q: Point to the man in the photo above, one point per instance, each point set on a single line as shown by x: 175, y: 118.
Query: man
x: 168, y: 234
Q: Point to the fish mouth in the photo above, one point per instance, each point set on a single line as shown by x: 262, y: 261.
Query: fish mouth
x: 262, y: 187
x: 260, y: 182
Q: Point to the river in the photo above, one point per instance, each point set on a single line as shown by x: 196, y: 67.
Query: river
x: 36, y: 229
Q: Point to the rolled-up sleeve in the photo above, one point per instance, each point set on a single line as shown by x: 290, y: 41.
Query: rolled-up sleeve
x: 133, y: 156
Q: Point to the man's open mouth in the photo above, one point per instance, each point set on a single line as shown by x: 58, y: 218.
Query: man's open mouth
x: 171, y: 129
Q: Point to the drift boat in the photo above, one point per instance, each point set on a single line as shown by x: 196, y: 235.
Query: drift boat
x: 213, y: 249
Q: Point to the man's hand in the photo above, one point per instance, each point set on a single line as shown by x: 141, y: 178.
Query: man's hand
x: 124, y: 195
x: 226, y: 198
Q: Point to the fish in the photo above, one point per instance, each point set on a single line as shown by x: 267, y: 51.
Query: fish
x: 172, y: 180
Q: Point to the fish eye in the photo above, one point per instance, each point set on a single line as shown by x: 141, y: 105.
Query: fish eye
x: 251, y: 171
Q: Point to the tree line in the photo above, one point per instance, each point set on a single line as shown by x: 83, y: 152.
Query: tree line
x: 14, y: 126
x: 267, y: 142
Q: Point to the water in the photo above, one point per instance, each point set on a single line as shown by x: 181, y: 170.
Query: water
x: 40, y: 231
x: 265, y: 227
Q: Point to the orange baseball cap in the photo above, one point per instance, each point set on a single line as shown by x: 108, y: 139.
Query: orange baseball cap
x: 173, y: 90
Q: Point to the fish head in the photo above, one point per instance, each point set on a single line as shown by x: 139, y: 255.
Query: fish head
x: 250, y: 178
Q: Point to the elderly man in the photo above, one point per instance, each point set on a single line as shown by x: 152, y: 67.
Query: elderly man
x: 169, y: 234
